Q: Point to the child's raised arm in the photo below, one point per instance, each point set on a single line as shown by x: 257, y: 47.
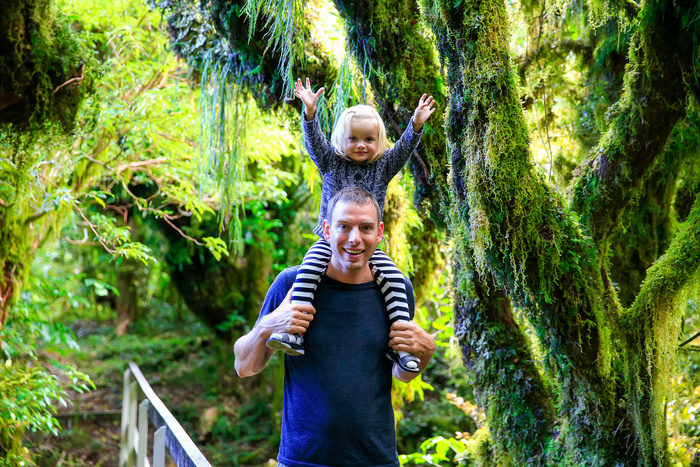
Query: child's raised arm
x: 423, y: 112
x: 308, y: 97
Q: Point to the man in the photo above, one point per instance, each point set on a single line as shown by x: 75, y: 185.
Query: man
x: 337, y: 397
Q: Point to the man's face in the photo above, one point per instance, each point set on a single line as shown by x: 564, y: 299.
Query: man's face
x: 353, y: 234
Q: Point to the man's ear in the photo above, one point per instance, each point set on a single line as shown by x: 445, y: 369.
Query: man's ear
x: 380, y: 231
x: 326, y: 230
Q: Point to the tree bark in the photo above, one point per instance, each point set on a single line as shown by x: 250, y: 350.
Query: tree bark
x: 127, y: 301
x: 6, y: 293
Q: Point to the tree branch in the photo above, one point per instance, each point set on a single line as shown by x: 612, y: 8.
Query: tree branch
x: 653, y: 324
x: 74, y: 80
x: 689, y: 340
x: 652, y: 102
x: 92, y: 227
x: 183, y: 234
x: 140, y: 164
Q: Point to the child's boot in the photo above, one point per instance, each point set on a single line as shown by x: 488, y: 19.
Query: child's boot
x: 404, y: 360
x: 291, y: 344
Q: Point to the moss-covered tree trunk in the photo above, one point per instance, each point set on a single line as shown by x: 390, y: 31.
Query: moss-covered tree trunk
x: 43, y: 79
x: 42, y: 82
x: 521, y: 233
x: 6, y: 292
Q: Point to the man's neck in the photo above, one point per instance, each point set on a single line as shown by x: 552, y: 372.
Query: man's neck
x: 359, y: 276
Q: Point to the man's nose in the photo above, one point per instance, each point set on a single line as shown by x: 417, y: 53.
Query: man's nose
x: 354, y: 236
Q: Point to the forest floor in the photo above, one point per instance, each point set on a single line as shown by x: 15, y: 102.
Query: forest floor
x: 192, y: 375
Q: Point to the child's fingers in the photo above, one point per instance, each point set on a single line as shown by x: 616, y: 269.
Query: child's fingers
x: 308, y: 83
x: 319, y: 92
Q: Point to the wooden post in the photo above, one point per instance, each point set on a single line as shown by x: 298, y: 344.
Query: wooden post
x: 143, y: 434
x: 131, y: 429
x: 123, y: 445
x: 159, y: 447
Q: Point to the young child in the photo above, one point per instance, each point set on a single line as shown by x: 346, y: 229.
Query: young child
x: 357, y: 155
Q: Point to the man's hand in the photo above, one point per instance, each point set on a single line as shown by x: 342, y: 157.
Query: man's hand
x: 308, y: 97
x: 411, y: 338
x: 251, y: 350
x: 423, y: 112
x: 289, y: 318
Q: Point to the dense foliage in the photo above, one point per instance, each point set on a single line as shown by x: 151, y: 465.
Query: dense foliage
x: 150, y: 173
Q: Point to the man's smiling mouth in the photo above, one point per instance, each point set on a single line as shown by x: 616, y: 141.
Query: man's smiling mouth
x: 353, y: 252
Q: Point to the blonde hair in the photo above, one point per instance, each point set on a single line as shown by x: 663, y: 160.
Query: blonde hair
x: 341, y: 132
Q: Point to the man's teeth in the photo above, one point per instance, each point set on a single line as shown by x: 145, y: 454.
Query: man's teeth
x: 354, y: 252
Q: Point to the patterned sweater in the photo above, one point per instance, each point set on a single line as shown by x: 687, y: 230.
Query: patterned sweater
x: 338, y: 172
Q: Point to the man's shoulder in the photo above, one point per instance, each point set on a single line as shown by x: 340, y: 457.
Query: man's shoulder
x: 409, y: 284
x: 278, y: 290
x: 285, y: 279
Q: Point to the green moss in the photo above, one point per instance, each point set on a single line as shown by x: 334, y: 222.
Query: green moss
x: 654, y: 324
x: 652, y: 101
x: 647, y: 225
x: 480, y: 450
x: 45, y: 67
x: 520, y: 232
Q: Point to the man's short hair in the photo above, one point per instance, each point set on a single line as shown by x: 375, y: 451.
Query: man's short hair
x: 353, y: 195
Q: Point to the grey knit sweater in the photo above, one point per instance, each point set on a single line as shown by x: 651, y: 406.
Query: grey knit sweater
x: 338, y: 172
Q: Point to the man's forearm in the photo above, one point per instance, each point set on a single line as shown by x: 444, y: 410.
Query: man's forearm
x: 251, y: 352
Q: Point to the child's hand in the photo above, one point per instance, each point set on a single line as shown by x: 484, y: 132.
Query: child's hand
x: 308, y: 97
x: 423, y: 112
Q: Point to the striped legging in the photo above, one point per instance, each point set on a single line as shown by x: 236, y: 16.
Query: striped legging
x: 388, y: 277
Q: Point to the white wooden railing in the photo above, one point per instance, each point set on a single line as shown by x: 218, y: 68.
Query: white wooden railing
x: 169, y: 433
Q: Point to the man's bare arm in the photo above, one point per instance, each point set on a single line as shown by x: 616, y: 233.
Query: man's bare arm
x: 251, y: 351
x: 411, y: 338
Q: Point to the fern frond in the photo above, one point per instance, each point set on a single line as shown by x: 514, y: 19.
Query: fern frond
x: 223, y: 136
x: 285, y: 35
